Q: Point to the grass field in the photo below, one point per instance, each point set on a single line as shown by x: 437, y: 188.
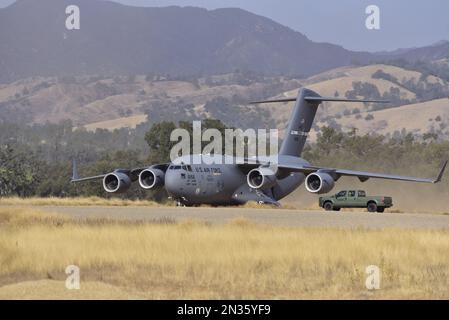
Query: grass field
x: 79, y: 201
x: 305, y: 202
x: 113, y: 202
x: 117, y: 202
x: 166, y: 259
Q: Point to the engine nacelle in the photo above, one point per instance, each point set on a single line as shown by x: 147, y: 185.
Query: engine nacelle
x: 116, y: 182
x: 319, y: 183
x: 261, y: 178
x: 151, y: 178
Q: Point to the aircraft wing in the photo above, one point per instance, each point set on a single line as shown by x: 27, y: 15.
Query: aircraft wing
x: 75, y: 179
x: 132, y: 173
x: 362, y: 175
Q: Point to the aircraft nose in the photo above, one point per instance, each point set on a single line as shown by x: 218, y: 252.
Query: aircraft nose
x: 171, y: 182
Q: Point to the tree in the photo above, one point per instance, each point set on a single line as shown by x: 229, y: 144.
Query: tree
x: 329, y: 140
x: 158, y: 139
x: 18, y: 172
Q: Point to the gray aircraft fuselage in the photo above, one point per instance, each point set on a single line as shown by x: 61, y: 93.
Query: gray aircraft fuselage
x: 221, y: 184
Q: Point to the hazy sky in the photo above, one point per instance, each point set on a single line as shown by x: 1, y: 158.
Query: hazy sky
x: 404, y: 23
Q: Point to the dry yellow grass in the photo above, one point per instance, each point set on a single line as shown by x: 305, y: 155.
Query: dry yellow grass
x: 55, y: 289
x: 115, y: 202
x: 354, y: 71
x: 80, y: 201
x: 128, y: 122
x: 237, y: 260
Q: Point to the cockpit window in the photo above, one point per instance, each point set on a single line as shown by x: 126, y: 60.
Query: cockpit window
x: 183, y: 167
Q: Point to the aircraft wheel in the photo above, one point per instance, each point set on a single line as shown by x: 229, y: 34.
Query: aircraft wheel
x: 179, y: 204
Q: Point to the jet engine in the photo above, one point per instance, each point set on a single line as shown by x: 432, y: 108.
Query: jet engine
x: 319, y: 183
x: 116, y: 182
x: 151, y: 178
x: 261, y: 178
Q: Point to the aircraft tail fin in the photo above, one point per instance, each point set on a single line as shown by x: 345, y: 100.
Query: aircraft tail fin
x: 302, y: 118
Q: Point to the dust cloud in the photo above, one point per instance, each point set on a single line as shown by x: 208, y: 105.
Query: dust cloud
x: 407, y: 197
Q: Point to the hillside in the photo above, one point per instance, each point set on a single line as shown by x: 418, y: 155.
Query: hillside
x: 439, y: 50
x: 126, y: 101
x: 419, y: 118
x: 103, y: 102
x: 115, y: 39
x: 443, y: 62
x: 402, y: 87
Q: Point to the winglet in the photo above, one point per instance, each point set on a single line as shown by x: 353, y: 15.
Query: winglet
x: 440, y: 175
x: 75, y: 175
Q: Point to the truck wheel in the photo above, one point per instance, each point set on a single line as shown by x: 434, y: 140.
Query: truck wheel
x: 380, y: 210
x: 372, y: 207
x: 328, y: 206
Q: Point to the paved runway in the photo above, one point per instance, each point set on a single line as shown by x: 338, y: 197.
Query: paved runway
x: 280, y: 217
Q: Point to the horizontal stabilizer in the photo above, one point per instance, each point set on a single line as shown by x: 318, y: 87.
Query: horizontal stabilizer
x: 274, y: 101
x: 320, y: 99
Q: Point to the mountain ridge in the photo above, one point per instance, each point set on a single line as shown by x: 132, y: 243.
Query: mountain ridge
x: 118, y: 39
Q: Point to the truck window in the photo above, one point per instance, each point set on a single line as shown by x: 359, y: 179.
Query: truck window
x: 351, y: 194
x: 362, y: 194
x: 341, y: 194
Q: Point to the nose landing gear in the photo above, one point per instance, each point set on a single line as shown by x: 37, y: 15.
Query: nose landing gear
x: 183, y: 202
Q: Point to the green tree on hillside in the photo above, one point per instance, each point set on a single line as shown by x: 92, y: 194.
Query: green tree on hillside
x: 18, y: 172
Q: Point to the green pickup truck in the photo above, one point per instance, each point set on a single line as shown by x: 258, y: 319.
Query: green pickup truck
x: 355, y: 199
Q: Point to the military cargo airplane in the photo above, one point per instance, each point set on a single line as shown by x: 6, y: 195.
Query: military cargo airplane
x: 192, y: 180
